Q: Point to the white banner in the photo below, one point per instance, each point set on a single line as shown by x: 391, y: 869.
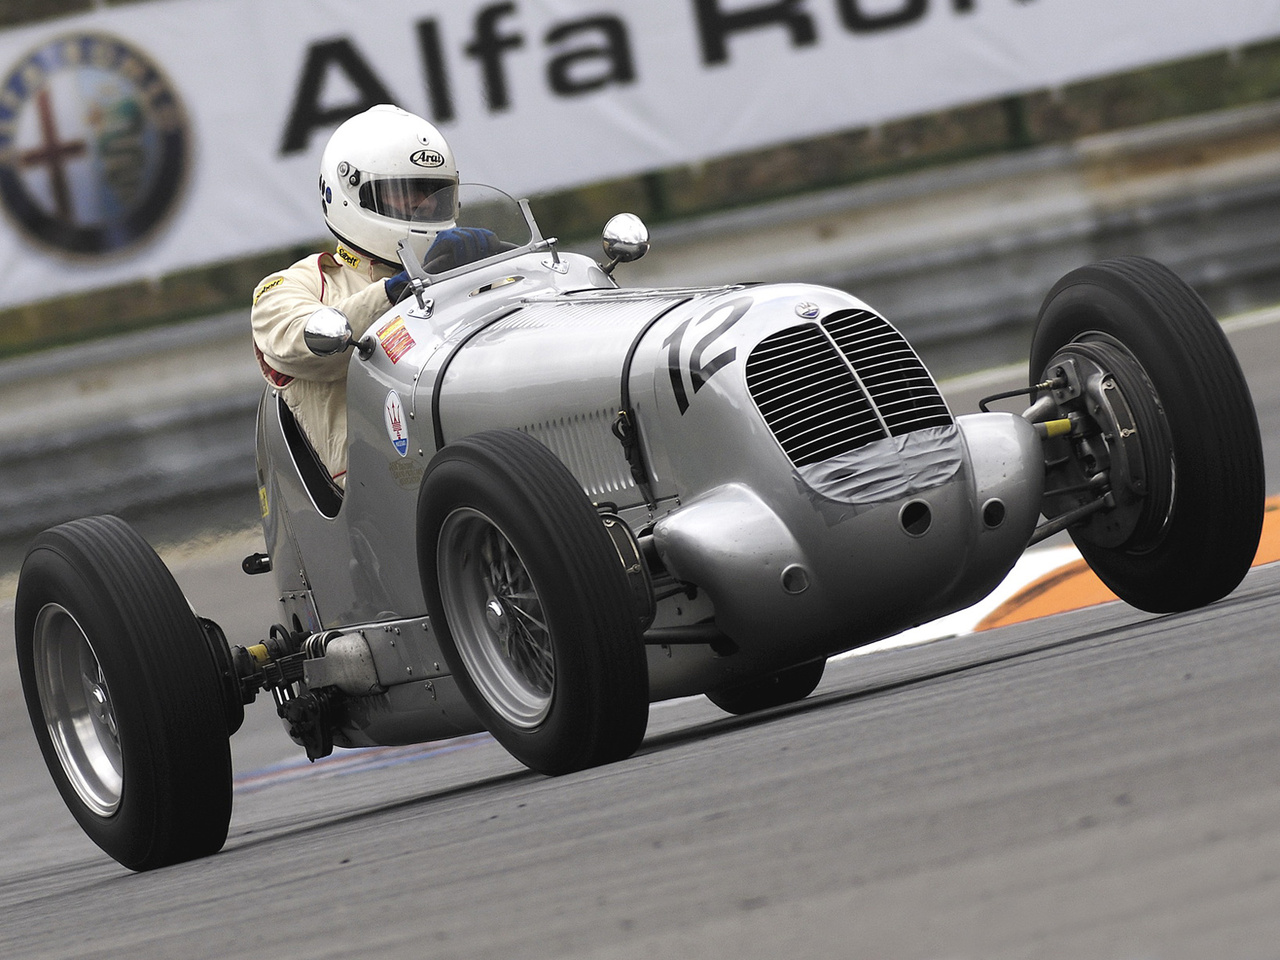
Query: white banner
x: 140, y: 140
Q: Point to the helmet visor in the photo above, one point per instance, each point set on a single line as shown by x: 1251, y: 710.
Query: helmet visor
x: 411, y: 199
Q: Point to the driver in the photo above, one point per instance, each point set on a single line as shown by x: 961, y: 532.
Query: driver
x: 381, y: 170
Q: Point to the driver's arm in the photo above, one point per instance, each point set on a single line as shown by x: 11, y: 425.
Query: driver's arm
x: 284, y: 301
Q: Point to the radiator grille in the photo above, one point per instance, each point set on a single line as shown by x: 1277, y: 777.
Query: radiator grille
x: 902, y: 389
x: 807, y: 396
x: 803, y: 381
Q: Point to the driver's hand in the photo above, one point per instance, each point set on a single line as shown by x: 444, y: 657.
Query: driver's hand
x: 396, y: 286
x: 462, y: 245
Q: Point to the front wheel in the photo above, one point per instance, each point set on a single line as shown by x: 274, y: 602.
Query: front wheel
x: 1165, y: 427
x: 531, y: 604
x: 124, y: 694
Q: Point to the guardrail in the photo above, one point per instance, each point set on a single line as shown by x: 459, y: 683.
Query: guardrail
x: 145, y: 420
x: 184, y: 454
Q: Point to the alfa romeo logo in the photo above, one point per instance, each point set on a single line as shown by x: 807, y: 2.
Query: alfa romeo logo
x: 93, y: 144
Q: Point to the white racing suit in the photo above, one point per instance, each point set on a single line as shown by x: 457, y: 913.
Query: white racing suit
x: 315, y: 388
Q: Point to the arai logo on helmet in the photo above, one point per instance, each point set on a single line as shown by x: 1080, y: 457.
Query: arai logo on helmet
x: 427, y: 158
x: 93, y: 144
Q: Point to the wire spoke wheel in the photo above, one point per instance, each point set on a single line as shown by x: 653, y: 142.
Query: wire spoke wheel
x: 530, y: 603
x: 501, y: 630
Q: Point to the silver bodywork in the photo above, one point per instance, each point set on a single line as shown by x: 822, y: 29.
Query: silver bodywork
x: 800, y: 488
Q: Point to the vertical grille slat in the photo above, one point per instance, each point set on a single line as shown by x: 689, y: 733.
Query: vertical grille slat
x: 802, y: 379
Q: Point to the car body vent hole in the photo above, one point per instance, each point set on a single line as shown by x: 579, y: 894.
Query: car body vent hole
x: 795, y: 579
x: 993, y: 513
x: 916, y: 517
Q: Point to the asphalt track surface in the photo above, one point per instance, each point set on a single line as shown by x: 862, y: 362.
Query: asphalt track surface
x: 1100, y: 783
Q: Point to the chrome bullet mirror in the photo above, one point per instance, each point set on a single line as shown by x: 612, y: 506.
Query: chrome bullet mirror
x: 625, y: 238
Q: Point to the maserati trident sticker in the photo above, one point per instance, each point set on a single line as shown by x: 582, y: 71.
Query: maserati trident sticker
x: 93, y: 144
x: 393, y: 417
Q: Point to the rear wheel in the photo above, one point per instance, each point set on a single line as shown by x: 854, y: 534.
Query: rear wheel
x: 124, y: 694
x: 530, y: 604
x: 1165, y: 424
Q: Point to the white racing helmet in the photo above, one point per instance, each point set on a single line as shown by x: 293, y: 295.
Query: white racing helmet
x: 378, y: 175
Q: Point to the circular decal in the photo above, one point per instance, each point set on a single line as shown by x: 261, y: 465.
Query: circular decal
x: 807, y: 309
x: 93, y: 144
x: 393, y: 418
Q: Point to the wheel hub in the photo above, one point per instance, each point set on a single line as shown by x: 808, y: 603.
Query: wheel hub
x: 99, y: 704
x: 499, y: 621
x: 1129, y: 453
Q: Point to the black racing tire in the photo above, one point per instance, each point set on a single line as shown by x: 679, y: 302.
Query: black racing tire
x: 530, y: 604
x: 786, y: 686
x: 1193, y: 536
x: 124, y: 696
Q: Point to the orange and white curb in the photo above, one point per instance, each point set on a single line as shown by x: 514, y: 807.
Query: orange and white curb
x: 1044, y: 582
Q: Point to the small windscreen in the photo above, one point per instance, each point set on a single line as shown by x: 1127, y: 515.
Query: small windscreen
x: 485, y: 222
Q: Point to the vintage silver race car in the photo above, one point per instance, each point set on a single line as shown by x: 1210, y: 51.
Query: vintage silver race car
x: 567, y: 500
